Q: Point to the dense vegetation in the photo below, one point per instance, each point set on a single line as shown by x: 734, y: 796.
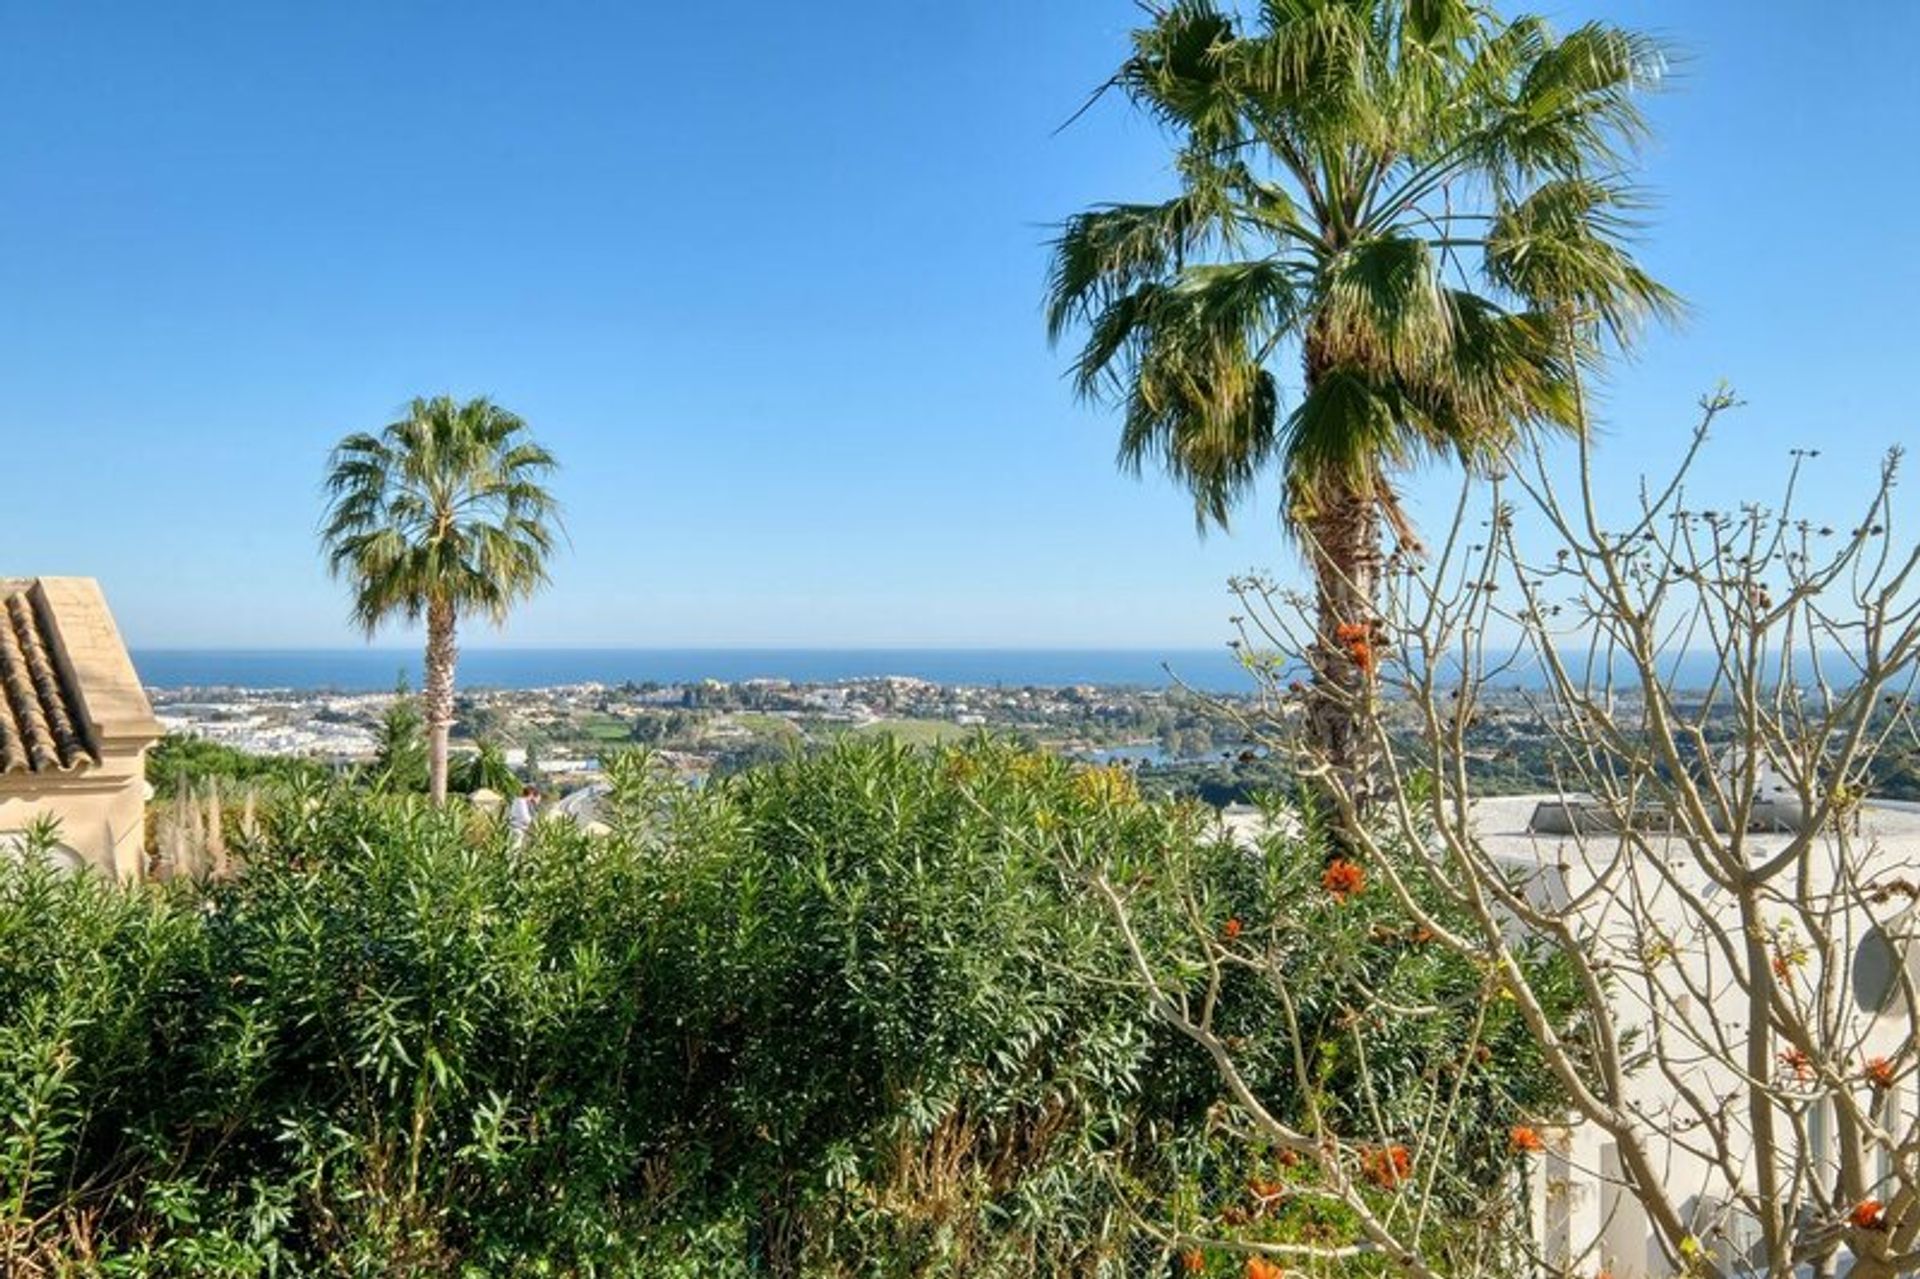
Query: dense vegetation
x: 179, y: 758
x: 855, y: 1014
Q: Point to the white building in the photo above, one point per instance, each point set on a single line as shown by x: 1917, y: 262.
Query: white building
x: 1675, y: 988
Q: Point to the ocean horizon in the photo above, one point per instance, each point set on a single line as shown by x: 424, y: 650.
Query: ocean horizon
x: 374, y: 669
x: 353, y: 670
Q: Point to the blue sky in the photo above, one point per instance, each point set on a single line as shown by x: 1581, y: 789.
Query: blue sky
x: 767, y: 277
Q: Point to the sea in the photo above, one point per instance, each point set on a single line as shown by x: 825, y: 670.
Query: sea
x: 373, y: 669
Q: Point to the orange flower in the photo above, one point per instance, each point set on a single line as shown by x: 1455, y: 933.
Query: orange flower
x: 1342, y: 879
x: 1387, y: 1167
x: 1869, y: 1214
x: 1192, y: 1261
x: 1261, y: 1268
x: 1356, y: 641
x: 1798, y: 1064
x: 1525, y: 1140
x: 1782, y: 970
x: 1879, y: 1072
x: 1231, y: 929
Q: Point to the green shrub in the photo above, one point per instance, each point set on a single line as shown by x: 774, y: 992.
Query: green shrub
x: 850, y: 1015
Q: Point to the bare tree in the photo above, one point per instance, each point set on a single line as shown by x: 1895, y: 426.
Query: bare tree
x: 1712, y: 691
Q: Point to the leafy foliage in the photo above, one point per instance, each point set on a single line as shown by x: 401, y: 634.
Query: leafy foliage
x: 486, y: 769
x: 399, y: 763
x: 1347, y: 1021
x: 853, y: 1014
x: 179, y: 757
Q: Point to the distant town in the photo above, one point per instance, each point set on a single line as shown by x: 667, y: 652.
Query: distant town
x: 713, y: 726
x: 1181, y: 741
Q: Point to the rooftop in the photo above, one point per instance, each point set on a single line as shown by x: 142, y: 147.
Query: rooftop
x: 42, y: 725
x: 1510, y: 827
x: 68, y: 692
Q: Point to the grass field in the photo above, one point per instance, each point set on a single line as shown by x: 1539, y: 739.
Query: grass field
x: 764, y: 725
x: 605, y: 728
x: 915, y: 732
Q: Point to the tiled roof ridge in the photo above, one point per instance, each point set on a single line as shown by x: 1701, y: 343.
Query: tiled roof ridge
x: 39, y: 731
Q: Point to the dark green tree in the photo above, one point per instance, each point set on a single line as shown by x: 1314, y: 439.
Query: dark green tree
x: 400, y: 758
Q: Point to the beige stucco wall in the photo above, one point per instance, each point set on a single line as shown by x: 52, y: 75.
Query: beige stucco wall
x: 101, y: 811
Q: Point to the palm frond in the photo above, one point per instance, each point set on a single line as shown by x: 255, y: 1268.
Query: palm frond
x: 1319, y: 64
x: 1576, y: 104
x: 1102, y: 254
x: 1564, y: 245
x: 1382, y: 306
x: 1212, y: 436
x: 1179, y: 71
x: 1504, y: 373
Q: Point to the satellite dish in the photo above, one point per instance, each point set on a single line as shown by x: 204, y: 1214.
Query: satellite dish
x: 1876, y: 972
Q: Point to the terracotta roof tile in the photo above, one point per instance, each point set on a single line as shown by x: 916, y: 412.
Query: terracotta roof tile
x: 42, y: 728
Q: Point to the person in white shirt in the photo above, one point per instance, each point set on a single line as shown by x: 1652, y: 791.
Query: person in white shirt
x: 520, y: 814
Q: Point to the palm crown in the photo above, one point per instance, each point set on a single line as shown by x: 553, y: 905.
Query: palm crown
x: 1419, y: 199
x: 445, y: 506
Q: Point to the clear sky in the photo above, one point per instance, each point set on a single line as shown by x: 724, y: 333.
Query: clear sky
x: 767, y: 277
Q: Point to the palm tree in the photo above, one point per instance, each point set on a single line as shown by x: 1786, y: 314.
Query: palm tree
x: 1420, y: 202
x: 487, y: 769
x: 441, y: 514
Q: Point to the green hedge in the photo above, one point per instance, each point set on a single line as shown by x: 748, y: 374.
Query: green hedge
x: 853, y: 1015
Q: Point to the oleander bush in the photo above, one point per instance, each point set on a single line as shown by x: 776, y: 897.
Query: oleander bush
x: 851, y: 1015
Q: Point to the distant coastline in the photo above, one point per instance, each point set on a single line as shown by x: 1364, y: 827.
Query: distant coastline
x: 372, y: 669
x: 360, y: 670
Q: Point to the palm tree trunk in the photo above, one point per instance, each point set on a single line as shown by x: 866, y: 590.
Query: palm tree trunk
x: 437, y: 697
x: 1343, y: 536
x: 1342, y: 526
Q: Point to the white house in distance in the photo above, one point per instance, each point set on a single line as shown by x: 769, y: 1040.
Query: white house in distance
x: 75, y: 725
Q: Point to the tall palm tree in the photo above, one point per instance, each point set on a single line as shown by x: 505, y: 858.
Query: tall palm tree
x: 1420, y: 202
x: 444, y: 513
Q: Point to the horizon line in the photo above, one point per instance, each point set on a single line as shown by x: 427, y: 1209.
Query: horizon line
x: 672, y: 648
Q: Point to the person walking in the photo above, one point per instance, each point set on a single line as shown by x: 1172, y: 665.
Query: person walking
x: 520, y: 815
